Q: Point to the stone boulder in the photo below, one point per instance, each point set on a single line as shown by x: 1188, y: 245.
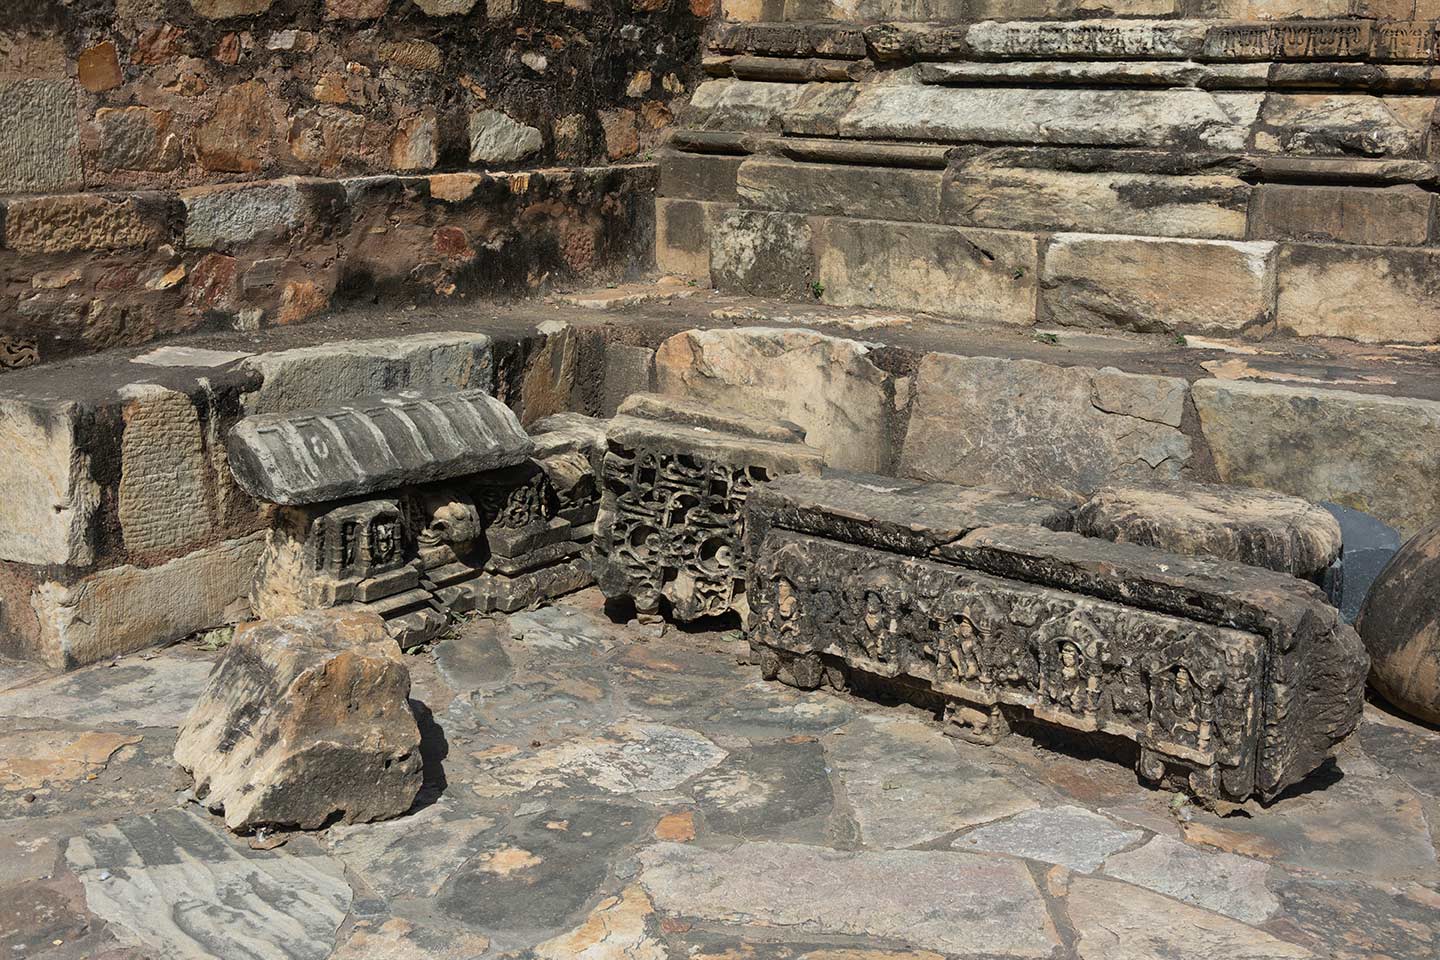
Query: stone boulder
x: 1400, y: 624
x: 305, y: 719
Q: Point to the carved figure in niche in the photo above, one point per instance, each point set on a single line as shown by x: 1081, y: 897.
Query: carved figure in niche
x: 1179, y: 710
x: 1071, y: 666
x: 357, y: 540
x: 967, y: 637
x: 883, y: 600
x: 976, y: 724
x: 782, y: 619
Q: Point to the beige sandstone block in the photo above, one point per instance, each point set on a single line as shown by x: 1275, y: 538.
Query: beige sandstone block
x: 1374, y: 295
x: 335, y: 372
x: 1155, y: 285
x: 49, y: 494
x: 129, y: 608
x: 836, y: 189
x: 1374, y: 216
x: 79, y: 222
x: 1350, y: 124
x: 1170, y: 118
x: 163, y: 502
x: 827, y: 385
x: 1041, y: 429
x: 682, y: 236
x: 1021, y: 198
x: 987, y: 276
x: 1376, y: 453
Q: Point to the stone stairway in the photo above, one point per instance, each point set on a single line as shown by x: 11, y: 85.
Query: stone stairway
x: 1244, y: 168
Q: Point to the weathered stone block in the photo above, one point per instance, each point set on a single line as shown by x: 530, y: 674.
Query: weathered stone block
x: 1020, y: 198
x: 303, y: 721
x: 1344, y: 125
x: 826, y: 385
x: 50, y: 492
x: 877, y: 263
x: 909, y: 517
x: 233, y: 214
x: 1257, y: 527
x: 77, y: 222
x: 136, y: 138
x: 628, y: 369
x: 670, y: 525
x: 240, y: 134
x: 496, y: 138
x: 884, y: 193
x: 683, y: 229
x: 699, y: 176
x: 165, y: 501
x: 1393, y: 216
x: 128, y: 608
x: 1045, y: 430
x: 1174, y: 118
x: 1376, y: 453
x: 1234, y: 681
x: 1154, y: 285
x: 1400, y: 629
x: 1373, y: 295
x: 762, y: 254
x: 1011, y: 36
x: 373, y: 444
x: 741, y: 104
x: 222, y: 9
x: 39, y: 136
x: 308, y: 377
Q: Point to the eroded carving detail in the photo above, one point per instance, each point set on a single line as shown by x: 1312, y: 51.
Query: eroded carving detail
x: 990, y: 646
x: 673, y: 528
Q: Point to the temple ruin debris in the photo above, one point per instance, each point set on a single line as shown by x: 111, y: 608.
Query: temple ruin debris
x: 1234, y: 681
x: 469, y: 515
x: 1400, y: 625
x: 675, y: 478
x: 304, y: 720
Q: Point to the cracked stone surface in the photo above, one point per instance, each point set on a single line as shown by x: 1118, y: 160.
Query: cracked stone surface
x: 599, y: 789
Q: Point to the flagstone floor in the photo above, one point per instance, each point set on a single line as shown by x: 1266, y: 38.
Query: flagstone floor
x: 606, y: 790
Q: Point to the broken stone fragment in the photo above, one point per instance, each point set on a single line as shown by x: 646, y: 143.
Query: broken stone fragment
x: 305, y: 720
x: 1257, y: 527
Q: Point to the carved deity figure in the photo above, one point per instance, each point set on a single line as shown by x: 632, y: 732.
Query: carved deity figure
x: 1072, y: 671
x: 1179, y: 709
x: 782, y: 618
x: 883, y: 599
x: 967, y: 638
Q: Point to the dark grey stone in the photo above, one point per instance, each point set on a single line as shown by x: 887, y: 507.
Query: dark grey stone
x: 1369, y: 545
x: 373, y: 444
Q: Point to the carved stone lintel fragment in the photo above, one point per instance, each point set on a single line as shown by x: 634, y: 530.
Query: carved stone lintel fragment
x: 1233, y: 680
x: 671, y: 525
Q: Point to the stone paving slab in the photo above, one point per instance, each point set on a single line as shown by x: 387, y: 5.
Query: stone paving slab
x: 604, y: 791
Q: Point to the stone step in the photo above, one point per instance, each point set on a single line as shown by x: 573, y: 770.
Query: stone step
x: 1034, y: 237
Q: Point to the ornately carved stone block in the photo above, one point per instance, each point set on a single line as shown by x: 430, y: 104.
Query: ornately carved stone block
x: 1234, y: 681
x: 676, y: 476
x: 494, y: 528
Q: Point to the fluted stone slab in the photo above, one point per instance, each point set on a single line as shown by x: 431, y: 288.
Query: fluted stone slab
x: 372, y: 444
